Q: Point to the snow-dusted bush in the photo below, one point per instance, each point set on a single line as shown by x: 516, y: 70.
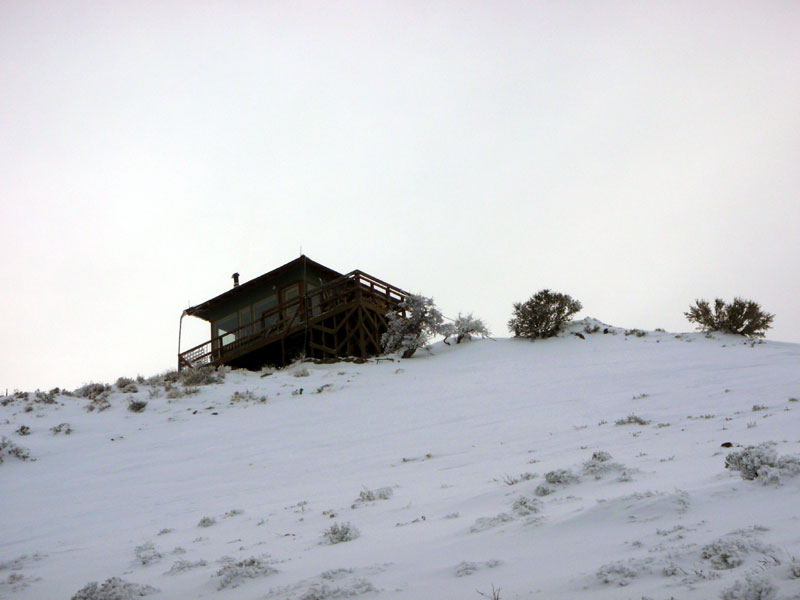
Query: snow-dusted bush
x: 484, y: 523
x: 322, y: 591
x: 511, y: 480
x: 92, y: 391
x: 147, y: 554
x: 233, y: 574
x: 601, y: 456
x: 64, y: 428
x: 524, y: 506
x: 763, y: 464
x: 366, y: 495
x: 412, y: 325
x: 174, y: 392
x: 207, y: 522
x: 465, y: 326
x: 201, y: 376
x: 301, y: 372
x: 47, y: 397
x: 750, y: 460
x: 543, y: 314
x: 9, y: 448
x: 741, y: 316
x: 632, y: 420
x: 754, y: 587
x: 247, y: 396
x: 340, y: 532
x: 636, y: 332
x: 99, y: 403
x: 181, y: 566
x: 126, y: 385
x: 601, y: 464
x: 113, y: 589
x: 544, y: 489
x: 617, y: 573
x: 561, y: 477
x: 23, y: 430
x: 137, y: 406
x: 726, y: 552
x: 465, y: 568
x: 592, y: 326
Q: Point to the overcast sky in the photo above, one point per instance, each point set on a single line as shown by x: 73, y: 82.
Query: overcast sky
x: 634, y: 155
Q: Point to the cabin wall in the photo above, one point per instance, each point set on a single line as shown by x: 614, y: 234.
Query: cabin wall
x: 313, y: 277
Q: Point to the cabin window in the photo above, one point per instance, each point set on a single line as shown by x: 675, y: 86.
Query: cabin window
x: 245, y: 320
x: 262, y: 306
x: 225, y: 326
x: 289, y: 294
x: 315, y: 299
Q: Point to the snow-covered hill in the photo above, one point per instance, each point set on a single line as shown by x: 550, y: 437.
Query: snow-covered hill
x: 564, y: 468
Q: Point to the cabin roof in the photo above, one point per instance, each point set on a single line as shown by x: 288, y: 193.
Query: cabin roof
x: 202, y: 310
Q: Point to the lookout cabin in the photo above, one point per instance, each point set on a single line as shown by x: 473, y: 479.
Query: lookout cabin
x: 302, y: 307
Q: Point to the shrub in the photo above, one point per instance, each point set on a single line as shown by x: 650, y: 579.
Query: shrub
x: 47, y: 397
x: 632, y: 420
x: 561, y: 477
x: 366, y: 495
x: 147, y: 554
x: 322, y: 591
x: 247, y: 396
x: 232, y: 575
x: 542, y: 315
x: 618, y: 573
x: 64, y: 428
x: 113, y: 589
x: 92, y: 391
x: 9, y: 448
x: 743, y: 317
x: 137, y: 406
x: 524, y: 506
x: 338, y: 533
x: 412, y: 325
x: 484, y: 523
x: 636, y: 332
x: 755, y: 587
x: 750, y: 460
x: 465, y: 326
x: 201, y: 376
x: 762, y: 463
x: 100, y: 403
x: 600, y: 465
x: 181, y: 566
x: 726, y: 553
x: 126, y: 385
x: 23, y: 430
x: 207, y: 522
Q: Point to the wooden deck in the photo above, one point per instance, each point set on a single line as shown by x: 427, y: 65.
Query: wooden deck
x: 345, y: 317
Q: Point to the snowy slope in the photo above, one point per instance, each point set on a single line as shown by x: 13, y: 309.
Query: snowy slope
x: 458, y: 437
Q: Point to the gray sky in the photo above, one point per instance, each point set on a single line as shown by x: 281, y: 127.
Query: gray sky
x: 634, y: 155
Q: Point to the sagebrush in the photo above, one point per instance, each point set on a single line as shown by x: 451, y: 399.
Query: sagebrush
x: 743, y: 317
x: 411, y: 326
x: 543, y: 314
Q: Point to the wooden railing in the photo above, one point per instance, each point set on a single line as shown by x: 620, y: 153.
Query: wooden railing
x: 294, y: 315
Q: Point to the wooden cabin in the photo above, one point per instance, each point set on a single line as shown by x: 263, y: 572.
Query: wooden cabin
x: 300, y: 308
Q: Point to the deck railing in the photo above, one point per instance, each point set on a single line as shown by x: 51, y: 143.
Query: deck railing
x: 294, y: 315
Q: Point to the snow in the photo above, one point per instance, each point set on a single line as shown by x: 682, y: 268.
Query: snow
x: 435, y: 461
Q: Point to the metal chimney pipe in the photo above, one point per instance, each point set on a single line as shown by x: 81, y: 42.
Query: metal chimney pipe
x: 235, y: 279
